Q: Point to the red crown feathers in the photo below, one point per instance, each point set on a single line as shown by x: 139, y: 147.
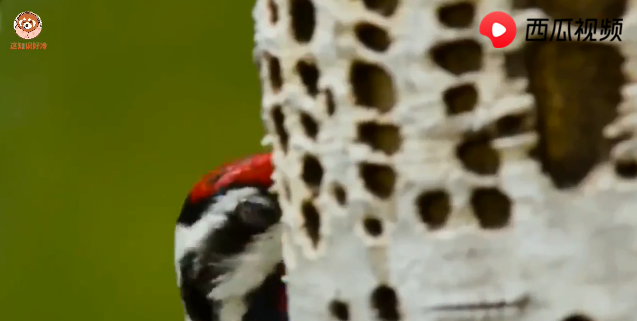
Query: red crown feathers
x: 255, y: 170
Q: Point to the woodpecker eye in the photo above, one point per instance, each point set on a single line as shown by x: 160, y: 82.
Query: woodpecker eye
x: 258, y: 213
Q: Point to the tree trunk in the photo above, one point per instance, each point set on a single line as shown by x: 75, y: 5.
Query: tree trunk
x: 425, y: 175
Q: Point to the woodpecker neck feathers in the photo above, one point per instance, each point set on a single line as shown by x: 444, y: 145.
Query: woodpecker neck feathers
x: 228, y: 246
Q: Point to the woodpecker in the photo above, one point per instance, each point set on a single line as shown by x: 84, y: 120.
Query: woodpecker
x: 228, y: 246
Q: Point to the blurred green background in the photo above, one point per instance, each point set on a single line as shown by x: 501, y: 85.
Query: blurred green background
x: 101, y: 136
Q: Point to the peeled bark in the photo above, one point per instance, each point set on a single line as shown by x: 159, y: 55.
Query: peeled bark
x: 420, y: 170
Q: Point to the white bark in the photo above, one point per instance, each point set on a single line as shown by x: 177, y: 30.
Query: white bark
x: 567, y: 252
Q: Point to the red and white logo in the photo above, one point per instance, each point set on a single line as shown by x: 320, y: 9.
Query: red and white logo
x: 27, y: 25
x: 499, y: 27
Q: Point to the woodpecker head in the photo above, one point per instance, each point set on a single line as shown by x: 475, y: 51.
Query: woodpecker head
x: 228, y: 246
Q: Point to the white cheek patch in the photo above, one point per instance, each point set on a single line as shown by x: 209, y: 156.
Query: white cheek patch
x: 248, y: 270
x: 232, y: 310
x: 189, y: 237
x: 252, y: 267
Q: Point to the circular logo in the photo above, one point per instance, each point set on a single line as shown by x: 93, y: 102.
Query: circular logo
x: 499, y: 27
x: 27, y: 25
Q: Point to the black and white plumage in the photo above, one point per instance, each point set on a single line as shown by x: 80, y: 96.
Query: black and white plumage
x: 228, y: 246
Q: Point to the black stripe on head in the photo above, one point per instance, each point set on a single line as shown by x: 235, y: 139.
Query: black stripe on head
x: 192, y: 212
x: 236, y: 234
x: 194, y: 290
x: 200, y: 267
x: 265, y: 302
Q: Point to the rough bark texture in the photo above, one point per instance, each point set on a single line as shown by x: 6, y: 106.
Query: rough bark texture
x: 577, y: 87
x: 421, y: 170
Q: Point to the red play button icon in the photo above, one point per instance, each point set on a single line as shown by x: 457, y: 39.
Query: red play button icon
x: 499, y: 27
